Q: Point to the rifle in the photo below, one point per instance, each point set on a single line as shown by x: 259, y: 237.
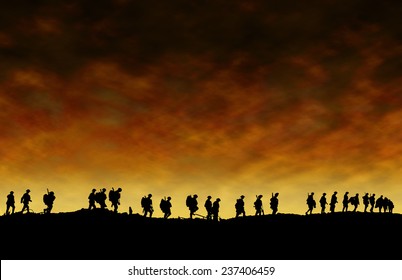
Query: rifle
x: 199, y: 215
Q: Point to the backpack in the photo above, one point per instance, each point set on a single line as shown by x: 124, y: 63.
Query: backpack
x: 188, y: 201
x: 163, y: 205
x: 112, y: 195
x: 46, y: 198
x: 144, y: 202
x: 98, y: 197
x: 238, y: 204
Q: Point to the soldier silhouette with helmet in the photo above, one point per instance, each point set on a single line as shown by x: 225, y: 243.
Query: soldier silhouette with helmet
x: 390, y: 206
x: 366, y: 201
x: 258, y: 206
x: 379, y: 203
x: 25, y: 200
x: 355, y: 201
x: 48, y: 199
x: 146, y: 204
x: 114, y: 197
x: 92, y: 200
x: 208, y: 207
x: 333, y: 202
x: 385, y: 204
x: 165, y: 206
x: 239, y: 206
x: 372, y: 202
x: 310, y: 203
x: 101, y: 198
x: 345, y: 202
x: 192, y: 204
x: 274, y: 202
x: 215, y: 209
x: 323, y: 203
x: 10, y: 203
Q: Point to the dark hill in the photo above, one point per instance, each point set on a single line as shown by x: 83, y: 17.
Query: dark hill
x: 106, y: 235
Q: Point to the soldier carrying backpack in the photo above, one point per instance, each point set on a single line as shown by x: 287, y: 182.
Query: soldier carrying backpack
x: 92, y: 199
x: 25, y: 200
x: 100, y: 198
x: 192, y: 204
x: 146, y: 204
x: 114, y: 198
x: 258, y: 206
x: 310, y: 203
x: 239, y: 206
x: 208, y: 207
x: 48, y: 199
x: 165, y: 206
x: 274, y: 203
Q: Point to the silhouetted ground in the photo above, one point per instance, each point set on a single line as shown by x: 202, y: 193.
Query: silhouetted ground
x: 105, y: 235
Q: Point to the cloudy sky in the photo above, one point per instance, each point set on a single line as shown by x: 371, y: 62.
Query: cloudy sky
x: 219, y: 98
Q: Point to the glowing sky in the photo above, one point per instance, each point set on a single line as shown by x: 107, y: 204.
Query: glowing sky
x: 219, y: 98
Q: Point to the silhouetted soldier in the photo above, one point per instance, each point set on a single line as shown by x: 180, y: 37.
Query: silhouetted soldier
x: 274, y: 202
x: 130, y: 210
x: 310, y: 203
x: 390, y: 206
x: 92, y: 199
x: 379, y: 203
x: 354, y: 200
x: 48, y: 199
x: 208, y: 207
x: 323, y: 203
x: 114, y: 197
x: 366, y: 201
x: 10, y: 203
x: 215, y: 209
x: 385, y: 204
x: 192, y: 204
x: 334, y: 201
x: 372, y: 202
x: 258, y: 206
x: 165, y: 206
x: 101, y: 197
x: 146, y: 204
x: 25, y: 199
x: 345, y: 202
x: 239, y: 206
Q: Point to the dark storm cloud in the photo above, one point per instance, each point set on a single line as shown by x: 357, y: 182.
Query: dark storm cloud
x: 62, y: 36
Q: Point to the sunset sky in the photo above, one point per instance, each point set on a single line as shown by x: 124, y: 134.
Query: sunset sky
x: 207, y: 97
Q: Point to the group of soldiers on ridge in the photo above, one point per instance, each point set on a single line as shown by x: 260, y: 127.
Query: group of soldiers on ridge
x: 48, y: 199
x: 99, y: 198
x: 383, y: 204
